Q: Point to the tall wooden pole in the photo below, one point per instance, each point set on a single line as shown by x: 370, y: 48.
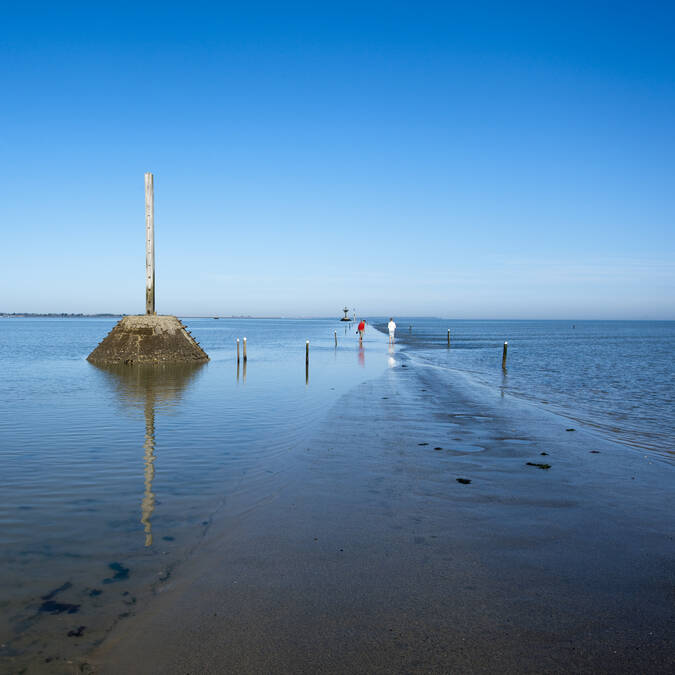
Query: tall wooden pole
x: 149, y: 244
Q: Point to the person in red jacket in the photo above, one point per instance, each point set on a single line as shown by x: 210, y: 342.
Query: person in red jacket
x: 361, y: 328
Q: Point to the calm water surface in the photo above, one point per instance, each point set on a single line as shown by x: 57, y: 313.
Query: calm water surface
x: 110, y: 477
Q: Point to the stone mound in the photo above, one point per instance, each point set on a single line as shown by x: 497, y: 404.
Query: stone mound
x: 146, y: 339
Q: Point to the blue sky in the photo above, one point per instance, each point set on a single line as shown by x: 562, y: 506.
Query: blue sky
x: 478, y: 160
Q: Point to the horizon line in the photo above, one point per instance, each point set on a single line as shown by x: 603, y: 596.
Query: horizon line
x: 307, y: 317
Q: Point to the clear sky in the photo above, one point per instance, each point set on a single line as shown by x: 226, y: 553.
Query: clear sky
x: 477, y: 160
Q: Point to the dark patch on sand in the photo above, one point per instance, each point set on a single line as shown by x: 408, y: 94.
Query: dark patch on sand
x: 438, y: 448
x: 543, y: 454
x: 540, y: 466
x: 51, y: 594
x: 53, y: 607
x: 121, y: 573
x: 463, y: 481
x: 595, y: 452
x: 168, y: 538
x: 422, y: 444
x: 78, y: 632
x: 570, y: 429
x: 94, y: 592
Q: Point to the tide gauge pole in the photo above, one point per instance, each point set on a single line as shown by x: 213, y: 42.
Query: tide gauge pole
x: 149, y: 244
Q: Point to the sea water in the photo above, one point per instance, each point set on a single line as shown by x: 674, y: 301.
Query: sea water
x: 110, y: 477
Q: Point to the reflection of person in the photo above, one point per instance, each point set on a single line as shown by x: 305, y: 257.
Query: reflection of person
x: 392, y: 328
x: 362, y: 357
x: 361, y: 329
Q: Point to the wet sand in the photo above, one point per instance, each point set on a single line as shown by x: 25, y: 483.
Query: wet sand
x: 372, y: 557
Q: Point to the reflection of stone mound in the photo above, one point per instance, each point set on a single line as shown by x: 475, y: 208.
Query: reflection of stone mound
x: 140, y: 385
x: 148, y: 338
x: 149, y: 387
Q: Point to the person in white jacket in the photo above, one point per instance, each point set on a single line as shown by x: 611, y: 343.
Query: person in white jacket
x: 392, y: 329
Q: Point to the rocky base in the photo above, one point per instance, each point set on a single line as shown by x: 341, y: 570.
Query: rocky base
x: 148, y: 339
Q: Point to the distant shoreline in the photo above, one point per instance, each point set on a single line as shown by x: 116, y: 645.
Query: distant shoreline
x: 55, y: 315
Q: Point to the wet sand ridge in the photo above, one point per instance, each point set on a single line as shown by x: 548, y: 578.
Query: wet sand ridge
x: 372, y: 557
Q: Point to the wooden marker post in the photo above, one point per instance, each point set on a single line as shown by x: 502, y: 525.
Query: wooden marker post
x: 244, y: 350
x: 335, y: 333
x: 237, y: 350
x: 149, y: 244
x: 307, y: 362
x: 448, y: 337
x: 506, y: 344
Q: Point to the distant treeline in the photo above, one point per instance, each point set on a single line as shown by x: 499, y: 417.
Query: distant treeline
x: 54, y: 315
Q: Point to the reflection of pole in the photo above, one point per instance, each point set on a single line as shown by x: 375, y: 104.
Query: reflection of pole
x: 148, y: 503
